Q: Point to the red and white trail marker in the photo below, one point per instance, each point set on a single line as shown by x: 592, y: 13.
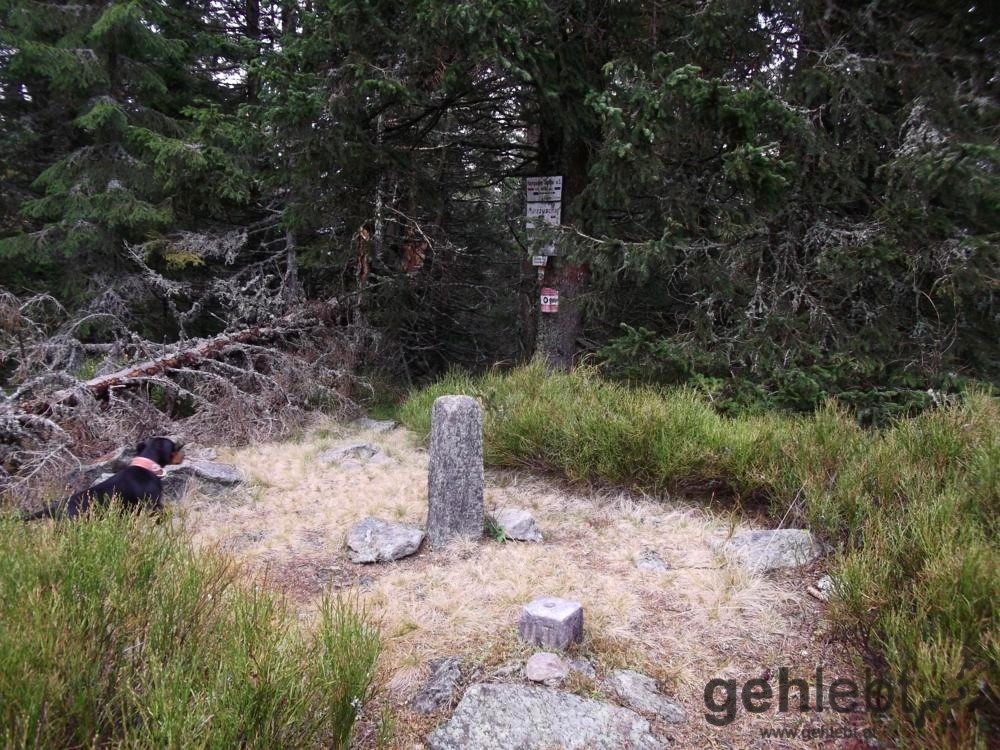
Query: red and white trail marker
x: 550, y: 300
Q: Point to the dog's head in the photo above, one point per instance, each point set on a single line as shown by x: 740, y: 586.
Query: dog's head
x: 164, y: 451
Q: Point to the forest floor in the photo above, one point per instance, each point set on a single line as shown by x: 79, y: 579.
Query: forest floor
x: 703, y: 618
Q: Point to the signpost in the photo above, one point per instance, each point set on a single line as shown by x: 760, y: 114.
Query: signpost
x: 544, y: 209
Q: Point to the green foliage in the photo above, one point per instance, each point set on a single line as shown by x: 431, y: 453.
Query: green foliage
x: 494, y: 530
x: 875, y: 391
x: 107, y: 154
x: 912, y: 509
x: 112, y: 628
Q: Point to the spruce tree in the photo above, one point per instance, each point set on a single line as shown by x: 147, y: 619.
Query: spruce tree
x: 99, y: 107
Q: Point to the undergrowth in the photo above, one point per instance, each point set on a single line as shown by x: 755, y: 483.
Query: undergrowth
x: 114, y: 633
x: 912, y: 510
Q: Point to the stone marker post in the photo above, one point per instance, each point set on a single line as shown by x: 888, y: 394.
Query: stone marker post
x: 551, y: 622
x: 455, y: 480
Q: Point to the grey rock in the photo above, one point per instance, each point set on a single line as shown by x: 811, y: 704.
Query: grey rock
x: 773, y: 549
x: 355, y: 451
x: 374, y: 540
x: 440, y: 688
x: 518, y: 524
x: 551, y: 623
x: 649, y: 560
x: 212, y: 471
x: 546, y: 667
x: 112, y: 463
x: 455, y: 479
x: 213, y: 477
x: 507, y: 669
x: 377, y: 426
x: 102, y: 477
x: 638, y: 691
x: 524, y: 717
x: 584, y: 667
x: 827, y: 587
x: 381, y: 459
x: 115, y: 462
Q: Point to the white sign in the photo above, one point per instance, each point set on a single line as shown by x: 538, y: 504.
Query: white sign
x: 550, y: 300
x: 544, y: 189
x: 539, y: 260
x: 544, y: 213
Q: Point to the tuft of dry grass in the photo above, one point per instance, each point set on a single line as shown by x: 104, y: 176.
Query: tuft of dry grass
x: 700, y: 619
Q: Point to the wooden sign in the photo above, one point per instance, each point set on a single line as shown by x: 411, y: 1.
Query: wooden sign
x: 540, y: 214
x: 543, y: 189
x: 550, y: 300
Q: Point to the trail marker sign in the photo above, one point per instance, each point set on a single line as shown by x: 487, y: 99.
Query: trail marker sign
x: 539, y: 260
x: 540, y: 214
x: 544, y: 189
x: 550, y: 300
x: 544, y: 205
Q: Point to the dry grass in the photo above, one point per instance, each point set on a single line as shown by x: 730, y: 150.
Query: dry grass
x: 701, y: 619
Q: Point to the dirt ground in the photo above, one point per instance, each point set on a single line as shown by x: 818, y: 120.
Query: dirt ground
x: 703, y: 618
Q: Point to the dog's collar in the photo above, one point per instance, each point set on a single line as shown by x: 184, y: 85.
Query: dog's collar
x: 148, y: 465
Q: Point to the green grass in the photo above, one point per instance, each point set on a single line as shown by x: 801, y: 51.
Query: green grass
x: 913, y: 510
x: 114, y: 633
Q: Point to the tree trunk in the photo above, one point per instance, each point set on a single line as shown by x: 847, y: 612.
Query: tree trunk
x: 291, y: 287
x: 558, y: 332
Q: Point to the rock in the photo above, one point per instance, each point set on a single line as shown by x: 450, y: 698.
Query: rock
x: 773, y: 549
x: 120, y: 459
x: 102, y: 477
x: 638, y: 691
x: 455, y: 479
x: 505, y: 716
x: 584, y: 667
x: 824, y: 590
x: 518, y: 524
x: 380, y: 459
x: 375, y: 425
x: 649, y: 560
x: 211, y: 471
x: 507, y: 669
x: 350, y: 451
x: 374, y: 540
x: 551, y: 623
x: 440, y: 688
x: 213, y: 477
x: 546, y: 667
x: 826, y: 586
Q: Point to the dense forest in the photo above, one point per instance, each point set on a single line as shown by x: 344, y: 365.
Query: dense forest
x: 775, y: 202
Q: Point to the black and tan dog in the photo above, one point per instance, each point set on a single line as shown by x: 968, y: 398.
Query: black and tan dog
x: 136, y: 486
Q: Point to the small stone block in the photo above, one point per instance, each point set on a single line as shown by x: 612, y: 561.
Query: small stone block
x: 551, y: 623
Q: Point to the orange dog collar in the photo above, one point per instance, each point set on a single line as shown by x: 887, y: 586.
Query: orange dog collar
x: 148, y: 465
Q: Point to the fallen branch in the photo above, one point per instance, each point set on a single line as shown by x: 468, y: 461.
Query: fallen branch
x: 189, y: 355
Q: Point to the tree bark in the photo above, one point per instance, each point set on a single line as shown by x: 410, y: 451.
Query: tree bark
x: 558, y: 332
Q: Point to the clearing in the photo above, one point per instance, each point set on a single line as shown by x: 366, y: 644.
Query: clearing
x: 702, y: 618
